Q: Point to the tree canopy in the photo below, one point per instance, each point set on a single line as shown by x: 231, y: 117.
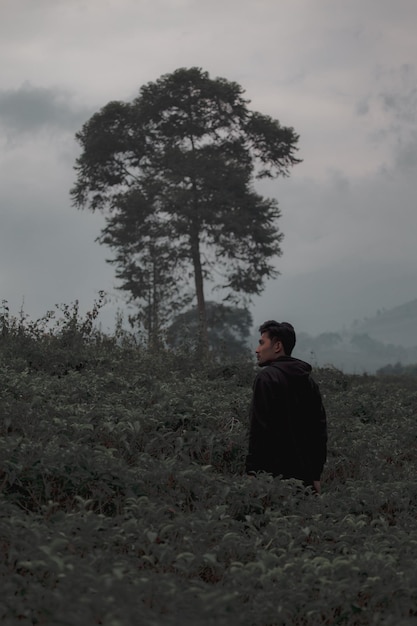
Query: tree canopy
x: 174, y: 172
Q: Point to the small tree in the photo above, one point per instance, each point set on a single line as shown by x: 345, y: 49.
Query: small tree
x: 228, y: 328
x: 190, y: 149
x: 148, y: 264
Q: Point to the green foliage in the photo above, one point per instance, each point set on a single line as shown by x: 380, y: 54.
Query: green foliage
x: 123, y: 497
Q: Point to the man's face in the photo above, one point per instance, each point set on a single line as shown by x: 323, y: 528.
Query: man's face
x: 266, y: 350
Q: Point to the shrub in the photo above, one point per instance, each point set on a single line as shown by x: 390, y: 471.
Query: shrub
x: 124, y: 501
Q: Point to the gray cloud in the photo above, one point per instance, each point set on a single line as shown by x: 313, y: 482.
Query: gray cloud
x: 30, y: 108
x: 399, y: 95
x: 398, y: 99
x: 342, y: 73
x: 362, y: 107
x: 389, y: 112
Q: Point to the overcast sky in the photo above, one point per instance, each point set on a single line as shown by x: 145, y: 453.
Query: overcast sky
x: 343, y: 73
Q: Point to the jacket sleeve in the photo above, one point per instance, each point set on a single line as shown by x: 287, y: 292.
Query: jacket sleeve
x: 261, y: 416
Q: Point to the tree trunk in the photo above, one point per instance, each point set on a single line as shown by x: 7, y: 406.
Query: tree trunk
x: 152, y: 309
x: 199, y: 288
x: 196, y: 258
x: 155, y: 306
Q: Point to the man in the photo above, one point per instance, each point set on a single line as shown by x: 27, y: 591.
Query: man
x: 288, y: 428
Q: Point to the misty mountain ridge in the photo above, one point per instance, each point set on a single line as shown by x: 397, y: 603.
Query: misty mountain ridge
x: 388, y: 338
x: 397, y: 326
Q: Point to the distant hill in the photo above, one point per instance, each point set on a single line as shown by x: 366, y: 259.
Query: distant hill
x: 389, y: 338
x: 397, y: 326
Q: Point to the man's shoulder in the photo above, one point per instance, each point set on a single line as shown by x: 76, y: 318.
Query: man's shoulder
x: 270, y: 374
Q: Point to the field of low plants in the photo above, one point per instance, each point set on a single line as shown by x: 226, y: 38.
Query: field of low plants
x: 124, y: 501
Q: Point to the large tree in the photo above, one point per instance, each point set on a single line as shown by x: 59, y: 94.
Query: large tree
x: 183, y: 156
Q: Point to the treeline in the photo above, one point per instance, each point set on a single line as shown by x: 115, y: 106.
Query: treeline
x: 398, y: 370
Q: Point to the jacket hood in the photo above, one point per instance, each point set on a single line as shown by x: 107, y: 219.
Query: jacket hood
x: 290, y: 366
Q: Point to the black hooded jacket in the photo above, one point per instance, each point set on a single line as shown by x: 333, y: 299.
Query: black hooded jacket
x: 288, y: 428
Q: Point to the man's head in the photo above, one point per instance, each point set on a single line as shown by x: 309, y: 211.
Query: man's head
x: 277, y: 339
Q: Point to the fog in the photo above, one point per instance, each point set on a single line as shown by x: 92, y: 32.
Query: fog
x: 342, y: 74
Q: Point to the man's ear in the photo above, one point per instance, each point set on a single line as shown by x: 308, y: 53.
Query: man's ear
x: 278, y: 346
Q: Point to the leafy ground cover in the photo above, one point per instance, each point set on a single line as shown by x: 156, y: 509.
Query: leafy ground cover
x: 124, y: 502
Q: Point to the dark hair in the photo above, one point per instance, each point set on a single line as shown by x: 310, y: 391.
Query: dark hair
x: 282, y: 331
